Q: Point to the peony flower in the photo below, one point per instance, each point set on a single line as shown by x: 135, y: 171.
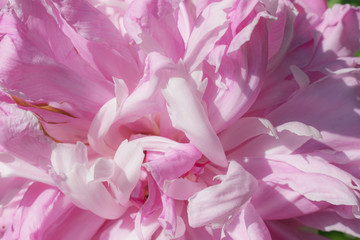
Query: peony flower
x: 169, y: 119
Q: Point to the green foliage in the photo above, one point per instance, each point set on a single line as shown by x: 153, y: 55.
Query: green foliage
x: 352, y: 2
x: 337, y: 235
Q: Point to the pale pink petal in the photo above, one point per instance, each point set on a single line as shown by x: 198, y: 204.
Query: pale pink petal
x: 70, y: 172
x: 281, y: 32
x: 209, y: 27
x: 123, y: 227
x: 327, y: 188
x: 321, y: 98
x: 290, y: 136
x: 153, y: 25
x: 22, y: 135
x: 275, y: 202
x: 11, y: 166
x: 98, y: 41
x: 338, y: 22
x: 142, y: 101
x: 215, y: 204
x: 100, y: 127
x: 175, y: 162
x: 247, y: 225
x: 128, y: 158
x: 179, y: 234
x: 183, y: 102
x: 318, y: 7
x: 245, y: 129
x: 145, y: 223
x: 182, y: 188
x: 168, y: 218
x: 12, y: 190
x: 28, y: 63
x: 101, y: 171
x: 241, y: 76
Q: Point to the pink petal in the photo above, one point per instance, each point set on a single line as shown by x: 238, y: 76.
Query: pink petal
x: 215, y: 204
x: 44, y: 213
x: 337, y: 22
x: 153, y: 25
x: 243, y: 130
x: 182, y: 188
x: 321, y: 97
x: 168, y: 218
x: 129, y: 158
x: 98, y: 41
x: 22, y: 135
x: 70, y: 172
x: 247, y: 225
x: 208, y: 29
x: 182, y: 102
x: 241, y: 77
x: 290, y: 136
x: 318, y: 7
x: 275, y: 202
x: 11, y: 166
x: 175, y: 162
x: 143, y: 100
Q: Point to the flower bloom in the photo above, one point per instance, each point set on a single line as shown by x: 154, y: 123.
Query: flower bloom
x: 167, y: 119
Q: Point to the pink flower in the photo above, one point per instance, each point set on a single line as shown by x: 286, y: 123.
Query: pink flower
x: 168, y: 119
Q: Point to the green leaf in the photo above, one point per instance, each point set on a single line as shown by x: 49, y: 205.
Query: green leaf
x: 334, y: 235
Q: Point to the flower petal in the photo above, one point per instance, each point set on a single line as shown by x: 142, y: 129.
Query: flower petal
x: 215, y: 204
x: 182, y: 102
x: 70, y: 171
x: 247, y: 225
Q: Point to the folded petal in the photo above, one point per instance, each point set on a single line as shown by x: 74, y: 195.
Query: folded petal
x: 175, y: 162
x: 188, y: 115
x: 70, y: 166
x: 128, y: 158
x: 143, y: 100
x: 215, y: 204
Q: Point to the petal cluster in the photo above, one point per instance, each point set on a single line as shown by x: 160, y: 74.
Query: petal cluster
x: 170, y: 119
